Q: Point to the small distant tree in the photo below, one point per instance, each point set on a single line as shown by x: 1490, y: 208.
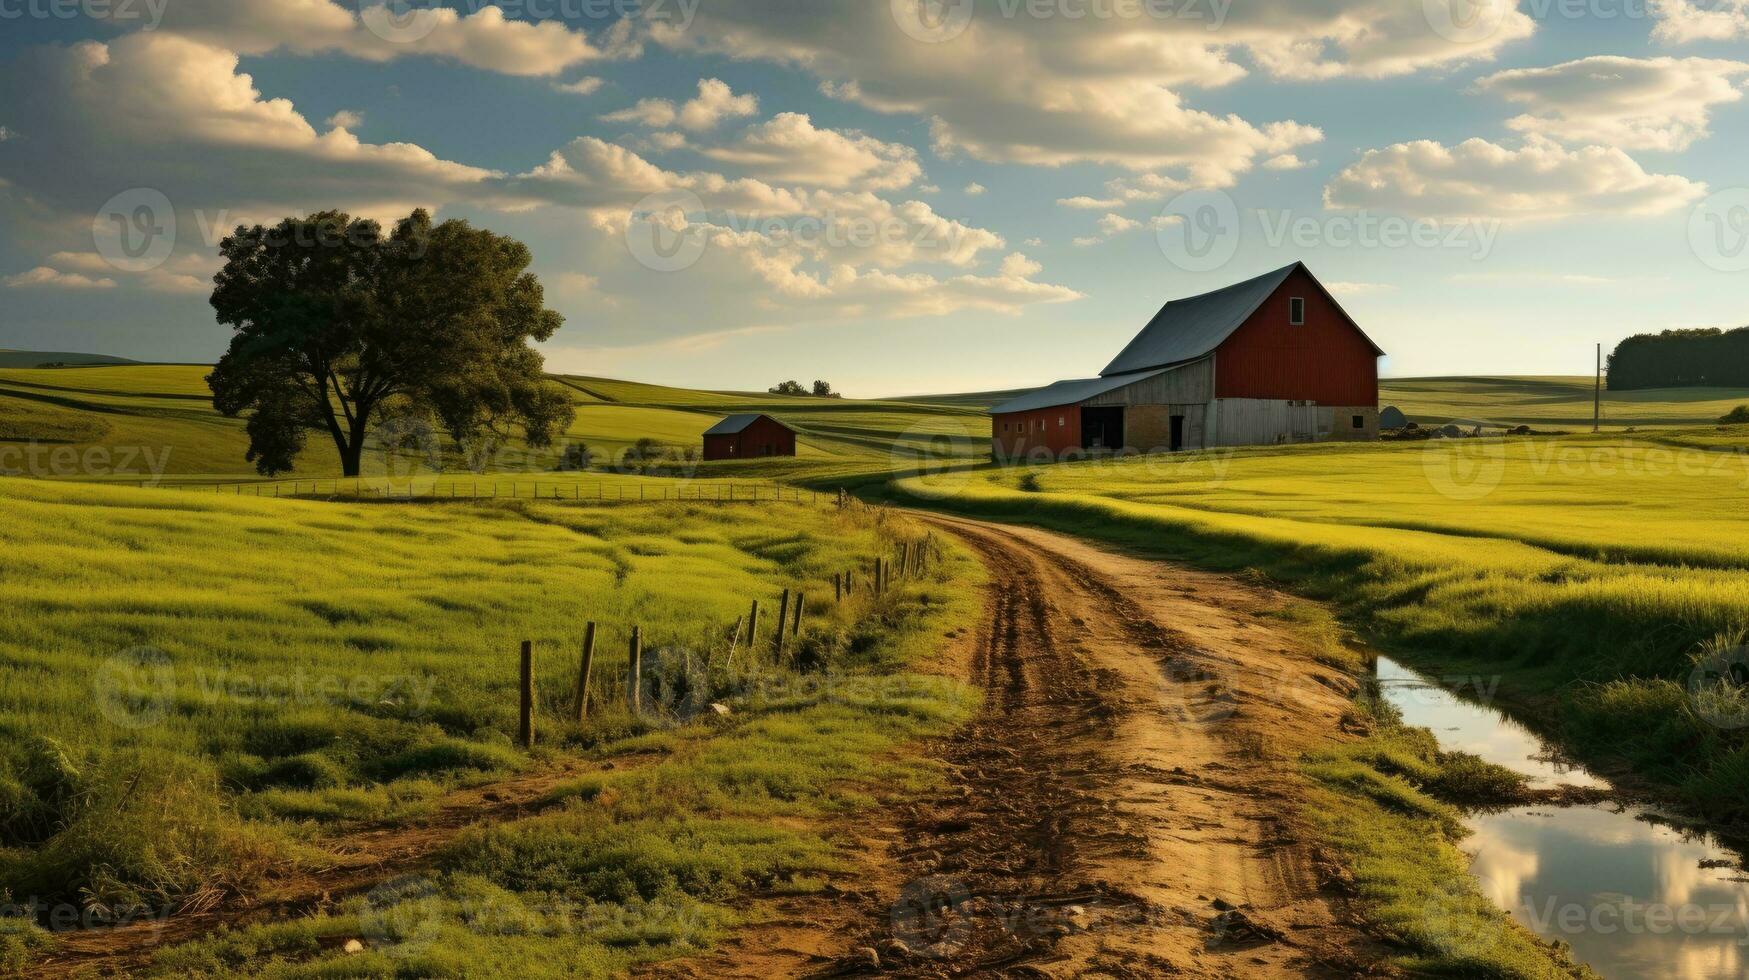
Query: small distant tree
x: 823, y: 389
x: 576, y: 458
x: 789, y: 388
x: 337, y: 325
x: 1736, y: 416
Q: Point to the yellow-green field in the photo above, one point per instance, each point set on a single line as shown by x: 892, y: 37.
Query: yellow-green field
x: 1553, y: 402
x: 203, y: 691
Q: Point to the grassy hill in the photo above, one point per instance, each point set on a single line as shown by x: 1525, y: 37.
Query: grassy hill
x: 155, y: 413
x: 36, y: 358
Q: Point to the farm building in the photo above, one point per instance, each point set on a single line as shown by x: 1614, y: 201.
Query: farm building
x: 1273, y: 359
x: 749, y: 437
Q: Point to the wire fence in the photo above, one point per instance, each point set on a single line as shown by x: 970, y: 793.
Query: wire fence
x: 363, y: 488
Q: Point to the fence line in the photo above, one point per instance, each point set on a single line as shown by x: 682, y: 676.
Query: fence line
x: 784, y: 646
x: 361, y: 488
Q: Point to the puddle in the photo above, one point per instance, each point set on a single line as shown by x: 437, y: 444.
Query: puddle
x: 1633, y: 897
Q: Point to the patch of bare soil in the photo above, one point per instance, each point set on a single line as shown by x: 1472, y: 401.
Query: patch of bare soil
x: 362, y: 859
x: 1127, y: 804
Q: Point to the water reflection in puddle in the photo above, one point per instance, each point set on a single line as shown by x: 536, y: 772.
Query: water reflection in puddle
x: 1633, y: 898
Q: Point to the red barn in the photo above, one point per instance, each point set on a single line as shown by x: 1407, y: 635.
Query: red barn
x: 749, y: 437
x: 1270, y: 360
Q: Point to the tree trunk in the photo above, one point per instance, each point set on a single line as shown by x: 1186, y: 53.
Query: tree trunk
x: 349, y: 459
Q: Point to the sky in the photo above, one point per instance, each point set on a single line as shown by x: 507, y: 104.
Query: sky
x: 900, y: 196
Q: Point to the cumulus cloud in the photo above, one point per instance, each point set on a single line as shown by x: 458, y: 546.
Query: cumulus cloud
x: 714, y: 103
x: 1286, y: 161
x: 974, y: 189
x: 1483, y: 180
x: 346, y: 119
x: 45, y: 277
x: 789, y: 148
x: 1103, y: 90
x: 1687, y: 21
x: 168, y: 112
x: 1117, y: 224
x: 1631, y: 103
x: 372, y: 31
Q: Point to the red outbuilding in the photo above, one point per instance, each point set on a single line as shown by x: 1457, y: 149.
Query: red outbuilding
x: 1270, y: 360
x: 749, y: 437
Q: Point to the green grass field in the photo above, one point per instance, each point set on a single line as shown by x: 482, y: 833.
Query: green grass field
x: 1591, y: 574
x: 203, y: 690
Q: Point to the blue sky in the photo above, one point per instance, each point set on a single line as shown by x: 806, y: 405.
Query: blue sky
x: 985, y: 194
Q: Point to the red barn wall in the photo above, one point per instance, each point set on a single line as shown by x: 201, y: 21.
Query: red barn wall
x: 1325, y: 360
x: 1058, y: 430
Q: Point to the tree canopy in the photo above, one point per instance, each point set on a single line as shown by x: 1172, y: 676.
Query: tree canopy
x: 338, y: 325
x: 1706, y: 357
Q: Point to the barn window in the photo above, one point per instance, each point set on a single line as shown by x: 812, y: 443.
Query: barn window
x: 1296, y: 311
x: 1061, y: 422
x: 1360, y: 421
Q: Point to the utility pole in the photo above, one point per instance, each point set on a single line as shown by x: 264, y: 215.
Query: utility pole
x: 1597, y: 394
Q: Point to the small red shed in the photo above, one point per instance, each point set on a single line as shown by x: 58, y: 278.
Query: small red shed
x: 749, y: 437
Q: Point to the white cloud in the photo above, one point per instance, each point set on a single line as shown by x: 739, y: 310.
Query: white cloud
x: 346, y: 119
x: 1104, y: 90
x: 1482, y: 180
x: 974, y: 189
x: 1630, y: 103
x: 485, y: 39
x: 588, y: 85
x: 714, y: 103
x: 163, y: 111
x: 43, y: 276
x: 789, y: 148
x: 6, y: 134
x: 189, y: 273
x: 1117, y: 224
x: 1686, y: 21
x: 1018, y: 266
x: 1286, y: 161
x: 1084, y: 203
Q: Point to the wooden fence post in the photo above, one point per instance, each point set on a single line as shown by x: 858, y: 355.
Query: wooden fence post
x: 753, y: 625
x: 635, y: 673
x: 795, y: 630
x: 525, y: 732
x: 837, y: 587
x: 584, y: 669
x: 782, y: 618
x: 904, y: 558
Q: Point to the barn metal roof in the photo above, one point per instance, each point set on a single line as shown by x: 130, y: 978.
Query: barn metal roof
x: 1188, y: 328
x: 735, y: 423
x: 1070, y: 392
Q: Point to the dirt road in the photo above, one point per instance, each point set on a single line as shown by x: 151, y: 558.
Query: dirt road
x: 1127, y: 804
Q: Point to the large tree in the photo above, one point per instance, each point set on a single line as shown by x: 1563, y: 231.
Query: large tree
x: 337, y: 324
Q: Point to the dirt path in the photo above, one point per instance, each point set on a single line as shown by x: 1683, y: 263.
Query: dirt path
x: 363, y: 859
x: 1126, y: 805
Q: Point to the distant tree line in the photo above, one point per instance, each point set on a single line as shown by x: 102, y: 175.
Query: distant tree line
x: 822, y: 389
x: 1707, y: 357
